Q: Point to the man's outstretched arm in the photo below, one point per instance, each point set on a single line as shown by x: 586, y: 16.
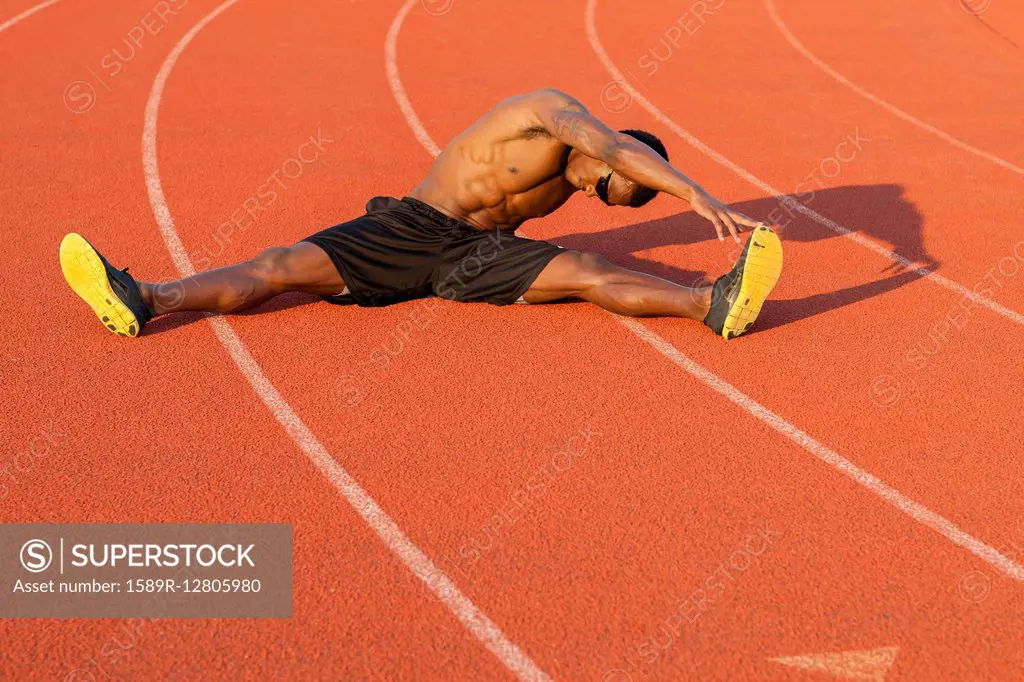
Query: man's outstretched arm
x: 569, y: 121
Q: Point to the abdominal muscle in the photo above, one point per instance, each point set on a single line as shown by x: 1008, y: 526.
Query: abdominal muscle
x: 473, y: 181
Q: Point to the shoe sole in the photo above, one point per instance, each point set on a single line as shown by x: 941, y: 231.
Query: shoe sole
x: 760, y: 274
x: 87, y: 277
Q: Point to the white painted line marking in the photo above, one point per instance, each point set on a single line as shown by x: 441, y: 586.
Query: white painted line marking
x: 391, y: 67
x: 916, y: 511
x: 26, y: 14
x: 942, y: 281
x: 390, y: 534
x: 872, y: 664
x: 891, y: 108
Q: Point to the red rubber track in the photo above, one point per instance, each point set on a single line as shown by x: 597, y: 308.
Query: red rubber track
x: 446, y: 426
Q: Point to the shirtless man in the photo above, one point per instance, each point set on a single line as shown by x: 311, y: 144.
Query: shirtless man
x: 454, y: 235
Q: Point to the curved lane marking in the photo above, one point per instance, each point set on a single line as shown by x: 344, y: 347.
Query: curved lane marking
x: 891, y: 108
x: 694, y: 142
x: 26, y: 14
x: 390, y: 534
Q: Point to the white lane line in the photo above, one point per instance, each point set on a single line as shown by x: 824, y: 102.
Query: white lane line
x: 891, y: 108
x: 391, y: 67
x: 942, y: 281
x: 914, y: 510
x: 26, y: 14
x: 390, y: 534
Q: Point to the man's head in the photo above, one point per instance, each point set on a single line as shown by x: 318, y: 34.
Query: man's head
x: 596, y: 178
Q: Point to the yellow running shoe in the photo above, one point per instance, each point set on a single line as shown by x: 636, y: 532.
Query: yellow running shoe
x: 112, y: 294
x: 738, y: 295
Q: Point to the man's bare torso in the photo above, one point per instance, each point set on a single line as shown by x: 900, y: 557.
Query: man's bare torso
x: 500, y: 172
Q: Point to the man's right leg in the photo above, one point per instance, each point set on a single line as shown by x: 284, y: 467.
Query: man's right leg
x: 729, y: 306
x: 303, y: 267
x: 592, y: 277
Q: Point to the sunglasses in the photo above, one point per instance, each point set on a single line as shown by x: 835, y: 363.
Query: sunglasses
x: 602, y: 187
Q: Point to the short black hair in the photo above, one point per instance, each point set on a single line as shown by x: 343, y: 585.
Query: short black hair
x: 642, y: 195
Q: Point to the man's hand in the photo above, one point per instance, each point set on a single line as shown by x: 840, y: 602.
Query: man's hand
x: 721, y: 215
x: 570, y: 122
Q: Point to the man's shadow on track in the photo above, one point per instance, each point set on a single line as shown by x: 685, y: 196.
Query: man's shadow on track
x: 877, y: 211
x: 880, y: 212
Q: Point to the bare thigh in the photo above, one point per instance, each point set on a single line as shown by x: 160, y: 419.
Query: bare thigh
x: 591, y: 277
x: 302, y: 267
x: 569, y: 275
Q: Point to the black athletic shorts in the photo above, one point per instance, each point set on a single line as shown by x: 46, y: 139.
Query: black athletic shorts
x: 405, y: 249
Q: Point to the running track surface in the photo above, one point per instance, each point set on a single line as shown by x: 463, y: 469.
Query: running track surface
x: 847, y: 479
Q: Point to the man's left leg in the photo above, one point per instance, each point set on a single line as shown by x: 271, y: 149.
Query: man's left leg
x: 125, y: 305
x: 303, y: 267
